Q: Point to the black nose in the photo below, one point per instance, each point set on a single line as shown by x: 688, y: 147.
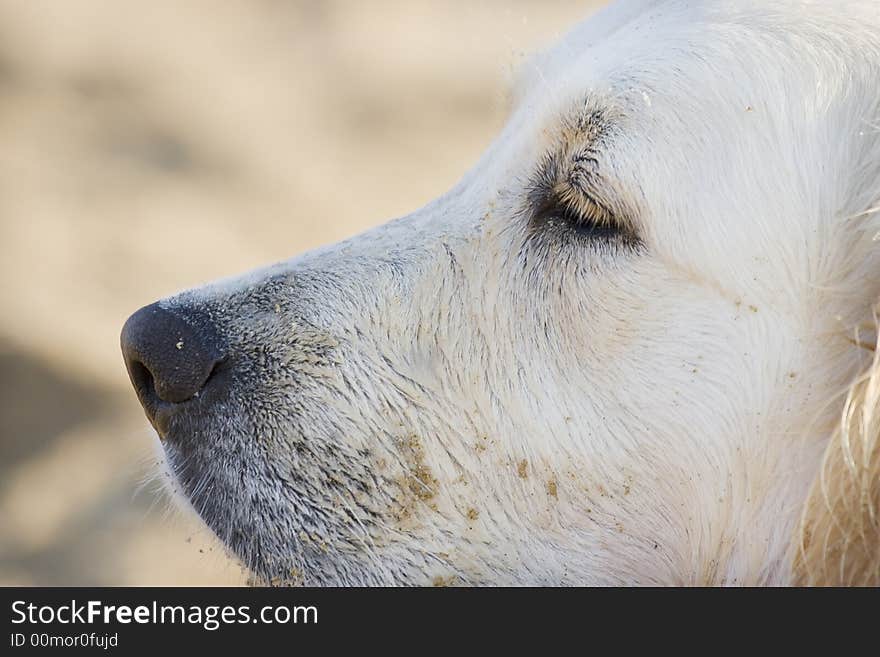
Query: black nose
x: 169, y: 359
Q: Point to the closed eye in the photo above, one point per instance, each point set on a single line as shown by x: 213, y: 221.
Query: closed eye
x: 580, y: 216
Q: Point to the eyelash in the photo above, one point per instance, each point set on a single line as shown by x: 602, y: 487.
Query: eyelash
x: 591, y: 222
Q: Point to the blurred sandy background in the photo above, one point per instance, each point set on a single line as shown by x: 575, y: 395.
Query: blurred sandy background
x: 147, y: 146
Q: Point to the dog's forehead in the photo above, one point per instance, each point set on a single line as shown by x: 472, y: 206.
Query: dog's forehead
x: 697, y: 70
x: 636, y: 46
x: 624, y: 64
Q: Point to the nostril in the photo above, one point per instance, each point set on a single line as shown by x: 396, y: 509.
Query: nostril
x: 142, y: 379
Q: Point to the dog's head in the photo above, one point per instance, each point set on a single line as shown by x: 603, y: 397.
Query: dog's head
x: 615, y: 352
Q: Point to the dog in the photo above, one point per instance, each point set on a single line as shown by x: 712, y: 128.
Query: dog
x: 634, y: 345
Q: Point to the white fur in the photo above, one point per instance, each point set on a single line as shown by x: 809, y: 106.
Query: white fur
x: 585, y: 414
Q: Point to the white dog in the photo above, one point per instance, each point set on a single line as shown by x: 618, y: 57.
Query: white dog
x: 616, y: 352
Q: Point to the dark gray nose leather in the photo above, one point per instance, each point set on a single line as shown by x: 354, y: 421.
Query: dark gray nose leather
x: 166, y: 356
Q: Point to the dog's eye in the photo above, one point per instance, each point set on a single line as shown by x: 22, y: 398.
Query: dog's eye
x: 584, y: 217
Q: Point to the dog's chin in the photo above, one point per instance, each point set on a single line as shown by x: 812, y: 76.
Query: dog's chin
x: 223, y: 508
x: 281, y: 539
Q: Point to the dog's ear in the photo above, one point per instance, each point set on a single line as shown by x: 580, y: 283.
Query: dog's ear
x: 838, y: 541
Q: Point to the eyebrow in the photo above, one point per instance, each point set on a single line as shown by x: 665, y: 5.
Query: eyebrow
x: 574, y: 159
